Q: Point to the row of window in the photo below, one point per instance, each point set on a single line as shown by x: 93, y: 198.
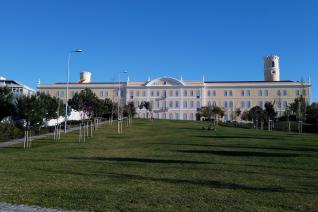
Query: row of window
x: 17, y: 90
x: 164, y: 93
x: 176, y: 116
x: 176, y: 93
x: 173, y: 104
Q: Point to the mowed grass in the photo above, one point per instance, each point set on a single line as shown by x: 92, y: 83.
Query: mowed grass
x: 165, y: 166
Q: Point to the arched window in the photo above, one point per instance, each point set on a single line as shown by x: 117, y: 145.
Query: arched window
x: 273, y: 63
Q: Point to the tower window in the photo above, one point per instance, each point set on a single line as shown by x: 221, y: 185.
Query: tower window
x: 273, y: 63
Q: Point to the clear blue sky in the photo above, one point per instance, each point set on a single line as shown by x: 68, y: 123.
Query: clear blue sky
x: 223, y: 40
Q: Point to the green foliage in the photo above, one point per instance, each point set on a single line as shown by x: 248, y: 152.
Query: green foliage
x: 31, y: 109
x: 51, y: 107
x: 256, y: 114
x: 298, y: 107
x: 269, y: 112
x: 6, y: 103
x: 9, y: 131
x: 210, y: 112
x: 130, y: 109
x: 86, y: 101
x: 312, y: 113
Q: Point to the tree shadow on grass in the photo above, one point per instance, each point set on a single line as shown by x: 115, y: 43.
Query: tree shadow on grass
x: 298, y: 149
x: 239, y: 153
x: 200, y: 182
x: 139, y: 160
x: 194, y: 182
x: 239, y: 137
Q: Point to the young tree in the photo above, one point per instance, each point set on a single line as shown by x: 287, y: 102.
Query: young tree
x: 256, y: 114
x: 218, y: 112
x: 312, y: 113
x: 146, y: 105
x: 299, y: 109
x: 30, y: 109
x: 237, y: 113
x: 86, y: 101
x: 6, y: 103
x: 51, y: 107
x: 270, y: 112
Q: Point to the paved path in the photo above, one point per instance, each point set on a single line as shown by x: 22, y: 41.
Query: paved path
x: 6, y: 207
x: 20, y: 140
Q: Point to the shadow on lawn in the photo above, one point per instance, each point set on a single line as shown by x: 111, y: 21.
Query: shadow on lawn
x: 195, y: 182
x: 298, y: 149
x: 239, y: 153
x: 239, y: 137
x: 140, y: 160
x: 207, y: 183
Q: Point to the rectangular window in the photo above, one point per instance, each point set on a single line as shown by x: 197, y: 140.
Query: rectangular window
x: 171, y: 104
x: 177, y: 116
x: 177, y: 104
x: 279, y: 93
x: 242, y: 92
x: 61, y: 93
x: 209, y: 93
x: 248, y: 93
x: 214, y: 93
x: 101, y: 93
x: 185, y: 116
x: 198, y: 104
x: 249, y: 104
x: 185, y: 104
x: 158, y: 104
x: 266, y: 92
x: 260, y: 93
x: 151, y: 93
x: 137, y: 93
x: 171, y: 93
x: 191, y: 104
x: 158, y: 93
x: 191, y: 93
x: 185, y: 93
x: 143, y: 93
x: 230, y: 93
x: 242, y: 104
x: 225, y: 104
x: 231, y: 104
x: 285, y: 92
x: 177, y: 93
x: 225, y: 93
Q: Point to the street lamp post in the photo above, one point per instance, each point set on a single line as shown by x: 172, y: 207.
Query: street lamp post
x: 67, y: 84
x: 119, y: 129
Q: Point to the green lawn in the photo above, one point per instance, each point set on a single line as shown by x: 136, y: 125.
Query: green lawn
x: 166, y: 166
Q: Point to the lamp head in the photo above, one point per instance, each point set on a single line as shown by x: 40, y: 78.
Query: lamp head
x: 78, y: 50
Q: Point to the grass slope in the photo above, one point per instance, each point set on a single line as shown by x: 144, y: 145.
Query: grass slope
x: 166, y: 166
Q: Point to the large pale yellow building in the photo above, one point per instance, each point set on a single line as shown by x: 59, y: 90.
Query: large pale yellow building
x: 179, y: 99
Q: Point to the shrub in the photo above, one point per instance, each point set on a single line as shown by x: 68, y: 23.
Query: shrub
x: 9, y: 131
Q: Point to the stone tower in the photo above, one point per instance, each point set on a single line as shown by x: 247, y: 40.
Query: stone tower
x: 271, y: 68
